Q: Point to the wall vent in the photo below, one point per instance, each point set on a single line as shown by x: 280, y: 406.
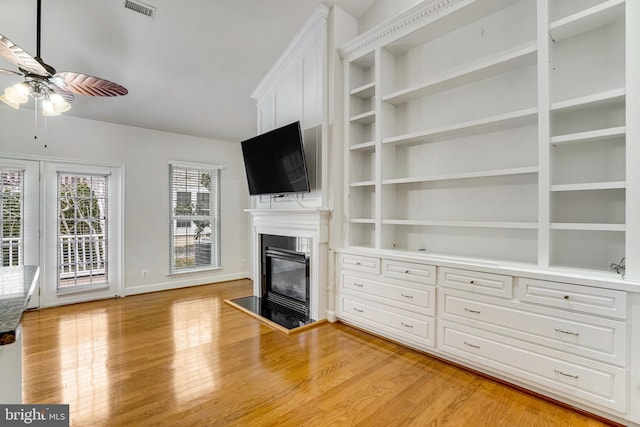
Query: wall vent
x: 140, y: 7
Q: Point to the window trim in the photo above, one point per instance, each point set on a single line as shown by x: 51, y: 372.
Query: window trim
x: 214, y: 217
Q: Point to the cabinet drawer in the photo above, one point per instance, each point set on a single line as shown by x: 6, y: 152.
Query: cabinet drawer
x: 604, y: 302
x: 391, y: 321
x: 423, y: 299
x: 419, y: 273
x: 475, y: 281
x: 588, y: 336
x: 360, y: 263
x: 589, y: 380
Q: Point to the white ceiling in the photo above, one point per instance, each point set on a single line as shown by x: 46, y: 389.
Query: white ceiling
x: 189, y: 70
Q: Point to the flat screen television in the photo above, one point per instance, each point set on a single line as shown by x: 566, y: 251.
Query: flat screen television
x: 275, y: 163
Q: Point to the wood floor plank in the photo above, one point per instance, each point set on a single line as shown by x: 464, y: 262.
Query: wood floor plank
x: 184, y: 357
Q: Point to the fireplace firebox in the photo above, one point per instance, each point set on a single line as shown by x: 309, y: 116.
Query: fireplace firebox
x: 285, y: 281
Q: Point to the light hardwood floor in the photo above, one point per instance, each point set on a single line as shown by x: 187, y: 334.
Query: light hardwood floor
x: 184, y: 357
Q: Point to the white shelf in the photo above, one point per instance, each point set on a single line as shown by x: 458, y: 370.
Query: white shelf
x: 587, y: 20
x: 362, y: 221
x: 466, y: 175
x: 597, y: 99
x: 363, y: 146
x: 469, y: 224
x: 364, y: 118
x: 363, y: 184
x: 587, y: 227
x: 364, y: 91
x: 521, y: 57
x: 612, y: 185
x: 515, y: 119
x: 590, y: 136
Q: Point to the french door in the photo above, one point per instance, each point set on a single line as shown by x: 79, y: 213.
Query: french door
x: 82, y: 240
x: 19, y: 215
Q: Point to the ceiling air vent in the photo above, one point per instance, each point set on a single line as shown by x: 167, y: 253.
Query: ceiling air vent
x: 140, y: 7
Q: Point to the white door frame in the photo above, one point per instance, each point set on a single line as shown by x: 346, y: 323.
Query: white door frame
x: 49, y: 223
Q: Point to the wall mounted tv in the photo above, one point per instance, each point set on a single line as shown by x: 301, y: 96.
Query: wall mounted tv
x: 275, y: 162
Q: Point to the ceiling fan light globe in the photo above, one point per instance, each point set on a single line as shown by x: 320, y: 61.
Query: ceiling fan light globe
x: 19, y: 93
x: 10, y: 102
x: 47, y: 109
x: 58, y: 104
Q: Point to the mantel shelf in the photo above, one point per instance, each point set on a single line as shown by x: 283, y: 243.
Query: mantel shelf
x: 521, y: 118
x: 590, y: 136
x: 587, y: 20
x: 471, y: 224
x: 512, y: 60
x: 465, y: 175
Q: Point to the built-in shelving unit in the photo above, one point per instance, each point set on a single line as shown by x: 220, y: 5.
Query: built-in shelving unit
x: 446, y: 127
x: 491, y: 152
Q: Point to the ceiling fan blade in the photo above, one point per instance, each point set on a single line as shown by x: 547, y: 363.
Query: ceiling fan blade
x: 83, y: 84
x: 14, y: 53
x: 9, y: 72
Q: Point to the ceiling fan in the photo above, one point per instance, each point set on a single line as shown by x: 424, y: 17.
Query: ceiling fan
x: 41, y: 82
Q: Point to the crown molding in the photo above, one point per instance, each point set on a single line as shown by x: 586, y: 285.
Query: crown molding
x: 400, y: 25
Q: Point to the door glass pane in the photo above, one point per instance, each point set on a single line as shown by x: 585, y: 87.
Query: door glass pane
x: 82, y: 231
x: 11, y: 216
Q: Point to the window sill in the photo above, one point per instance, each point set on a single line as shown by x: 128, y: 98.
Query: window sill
x: 193, y: 270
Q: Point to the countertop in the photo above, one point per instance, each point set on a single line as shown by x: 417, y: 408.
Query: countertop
x: 16, y: 287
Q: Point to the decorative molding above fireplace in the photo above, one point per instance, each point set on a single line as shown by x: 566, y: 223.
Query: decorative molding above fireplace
x: 310, y: 223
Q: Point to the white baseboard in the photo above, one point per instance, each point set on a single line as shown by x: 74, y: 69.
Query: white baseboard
x: 331, y: 316
x: 184, y: 283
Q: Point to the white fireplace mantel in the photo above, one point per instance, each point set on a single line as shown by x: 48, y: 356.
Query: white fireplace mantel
x: 310, y: 223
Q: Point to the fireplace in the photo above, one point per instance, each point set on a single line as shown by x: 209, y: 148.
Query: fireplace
x: 285, y: 278
x: 298, y: 243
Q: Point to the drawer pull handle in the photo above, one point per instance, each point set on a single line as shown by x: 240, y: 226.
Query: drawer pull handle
x: 360, y: 285
x: 566, y: 332
x: 358, y: 310
x: 406, y: 272
x: 471, y: 345
x: 566, y: 297
x: 406, y: 325
x: 558, y: 371
x: 472, y: 311
x: 358, y: 263
x: 407, y: 296
x: 472, y: 282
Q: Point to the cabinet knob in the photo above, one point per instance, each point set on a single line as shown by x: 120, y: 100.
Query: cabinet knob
x: 472, y: 282
x: 406, y: 272
x: 566, y: 297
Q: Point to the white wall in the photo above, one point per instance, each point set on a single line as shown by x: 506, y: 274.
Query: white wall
x: 382, y: 10
x: 145, y: 155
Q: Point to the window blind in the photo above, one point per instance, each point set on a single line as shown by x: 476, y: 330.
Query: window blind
x: 194, y: 222
x: 11, y: 216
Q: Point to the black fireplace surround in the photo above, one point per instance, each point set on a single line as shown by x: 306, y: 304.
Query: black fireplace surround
x: 285, y: 288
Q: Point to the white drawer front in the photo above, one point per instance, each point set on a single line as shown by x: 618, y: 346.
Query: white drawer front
x: 389, y: 320
x: 601, y: 339
x: 360, y: 263
x: 424, y: 299
x: 475, y: 281
x: 589, y: 380
x: 419, y: 273
x: 604, y: 302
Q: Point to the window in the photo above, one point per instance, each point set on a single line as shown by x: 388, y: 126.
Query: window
x: 82, y: 230
x: 11, y: 205
x: 194, y: 223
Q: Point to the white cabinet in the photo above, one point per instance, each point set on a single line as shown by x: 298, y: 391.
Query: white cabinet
x: 397, y: 302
